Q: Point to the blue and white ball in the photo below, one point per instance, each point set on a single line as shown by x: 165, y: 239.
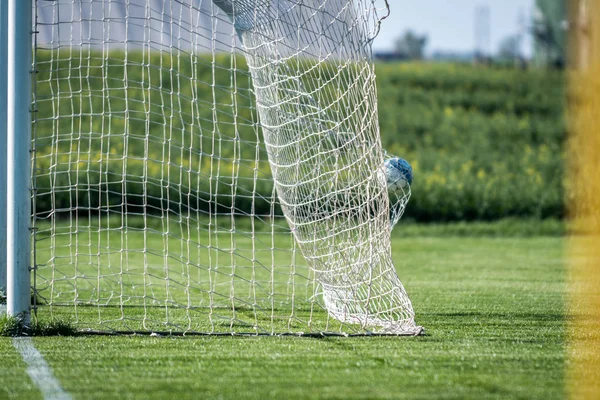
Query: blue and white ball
x: 398, y: 173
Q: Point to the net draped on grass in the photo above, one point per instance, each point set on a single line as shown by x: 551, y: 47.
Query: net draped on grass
x: 170, y: 137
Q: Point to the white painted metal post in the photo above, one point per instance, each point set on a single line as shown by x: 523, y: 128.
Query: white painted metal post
x: 3, y: 81
x: 18, y: 157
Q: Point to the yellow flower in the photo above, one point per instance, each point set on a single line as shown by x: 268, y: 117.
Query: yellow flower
x: 538, y: 179
x: 415, y: 165
x: 466, y: 167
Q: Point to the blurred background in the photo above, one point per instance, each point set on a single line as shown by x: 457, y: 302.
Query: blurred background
x: 472, y: 93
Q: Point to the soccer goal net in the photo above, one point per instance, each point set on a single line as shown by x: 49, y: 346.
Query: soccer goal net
x: 212, y: 167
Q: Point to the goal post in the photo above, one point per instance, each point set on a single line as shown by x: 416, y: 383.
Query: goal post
x: 18, y: 158
x: 3, y: 142
x: 208, y: 167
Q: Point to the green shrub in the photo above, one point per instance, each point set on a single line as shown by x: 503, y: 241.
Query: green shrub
x: 484, y: 143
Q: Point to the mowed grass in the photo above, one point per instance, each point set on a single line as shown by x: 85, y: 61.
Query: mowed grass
x: 494, y: 310
x: 208, y: 279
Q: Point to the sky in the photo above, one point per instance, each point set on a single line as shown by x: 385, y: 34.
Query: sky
x: 450, y: 24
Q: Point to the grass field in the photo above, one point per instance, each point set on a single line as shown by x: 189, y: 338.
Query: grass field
x: 493, y: 307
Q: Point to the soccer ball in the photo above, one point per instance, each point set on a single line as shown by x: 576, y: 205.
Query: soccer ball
x: 398, y: 173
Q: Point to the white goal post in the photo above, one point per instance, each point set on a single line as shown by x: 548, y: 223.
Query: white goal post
x: 202, y: 166
x: 3, y: 143
x: 16, y: 95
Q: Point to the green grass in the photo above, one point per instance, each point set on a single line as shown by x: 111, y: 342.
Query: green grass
x: 12, y: 326
x: 507, y: 227
x: 493, y: 307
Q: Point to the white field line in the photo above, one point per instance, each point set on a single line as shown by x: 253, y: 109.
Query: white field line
x: 39, y: 371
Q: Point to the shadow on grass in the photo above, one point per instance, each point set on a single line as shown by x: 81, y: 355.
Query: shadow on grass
x: 532, y: 316
x: 14, y: 326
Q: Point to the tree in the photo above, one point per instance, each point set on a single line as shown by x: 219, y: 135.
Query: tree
x: 549, y: 32
x: 411, y: 45
x: 510, y: 48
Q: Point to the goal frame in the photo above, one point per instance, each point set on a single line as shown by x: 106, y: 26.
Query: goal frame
x: 376, y: 299
x: 16, y: 93
x: 3, y: 137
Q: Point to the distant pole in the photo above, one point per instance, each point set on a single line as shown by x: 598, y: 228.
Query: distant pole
x: 3, y: 139
x: 18, y: 158
x: 522, y: 22
x: 482, y: 32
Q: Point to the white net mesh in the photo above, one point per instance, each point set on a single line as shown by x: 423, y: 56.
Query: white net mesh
x: 159, y: 194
